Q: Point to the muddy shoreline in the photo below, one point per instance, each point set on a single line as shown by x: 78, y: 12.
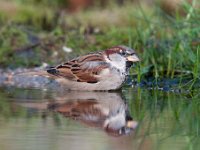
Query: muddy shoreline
x: 21, y: 79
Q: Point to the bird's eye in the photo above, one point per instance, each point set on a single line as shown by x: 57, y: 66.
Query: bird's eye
x: 122, y: 53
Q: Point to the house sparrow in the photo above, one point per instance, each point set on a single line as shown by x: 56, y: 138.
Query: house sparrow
x: 103, y: 70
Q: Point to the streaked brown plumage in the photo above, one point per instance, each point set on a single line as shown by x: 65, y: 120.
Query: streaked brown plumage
x: 103, y: 70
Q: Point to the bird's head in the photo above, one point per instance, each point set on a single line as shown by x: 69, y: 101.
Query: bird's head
x: 121, y: 56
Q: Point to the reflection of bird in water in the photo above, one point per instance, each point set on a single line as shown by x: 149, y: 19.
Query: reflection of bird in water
x: 98, y: 109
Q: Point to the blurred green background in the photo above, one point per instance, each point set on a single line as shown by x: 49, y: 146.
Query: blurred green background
x: 165, y: 33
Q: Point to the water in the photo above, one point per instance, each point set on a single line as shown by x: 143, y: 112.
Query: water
x: 136, y: 119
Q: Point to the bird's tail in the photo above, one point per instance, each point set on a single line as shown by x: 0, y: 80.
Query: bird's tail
x: 41, y: 73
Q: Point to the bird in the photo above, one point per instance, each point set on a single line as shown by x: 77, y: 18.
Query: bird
x: 98, y: 71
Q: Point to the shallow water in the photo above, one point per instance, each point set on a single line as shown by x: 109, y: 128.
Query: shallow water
x: 44, y: 120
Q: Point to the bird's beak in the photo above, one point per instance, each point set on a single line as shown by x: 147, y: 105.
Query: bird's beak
x: 133, y: 58
x: 132, y: 124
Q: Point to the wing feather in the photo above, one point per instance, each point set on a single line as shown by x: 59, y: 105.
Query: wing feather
x: 82, y: 69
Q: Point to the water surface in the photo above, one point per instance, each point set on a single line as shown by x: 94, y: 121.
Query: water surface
x: 134, y: 119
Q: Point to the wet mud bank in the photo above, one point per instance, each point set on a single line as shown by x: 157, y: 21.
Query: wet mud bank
x: 25, y: 78
x: 22, y: 79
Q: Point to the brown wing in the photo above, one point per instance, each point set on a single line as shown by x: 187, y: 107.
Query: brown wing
x: 82, y: 69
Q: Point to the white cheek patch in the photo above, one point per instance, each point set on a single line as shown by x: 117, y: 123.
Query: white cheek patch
x: 118, y: 61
